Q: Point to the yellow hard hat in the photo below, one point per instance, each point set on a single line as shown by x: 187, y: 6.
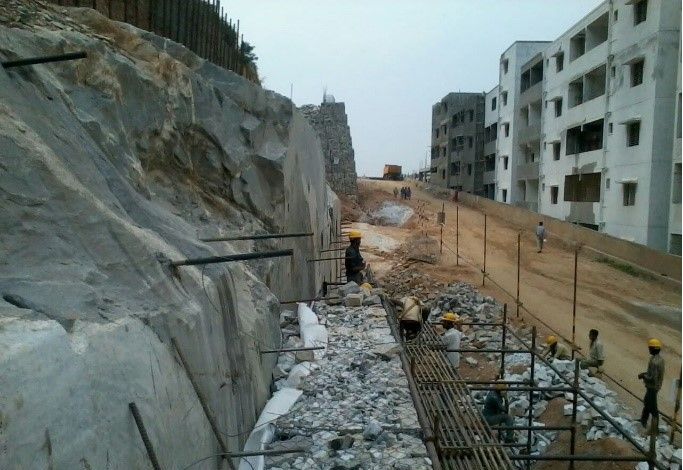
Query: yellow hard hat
x: 354, y: 234
x: 366, y: 285
x: 451, y: 317
x: 550, y: 340
x: 654, y: 343
x: 501, y: 386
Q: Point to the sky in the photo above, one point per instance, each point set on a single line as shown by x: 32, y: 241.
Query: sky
x: 389, y: 61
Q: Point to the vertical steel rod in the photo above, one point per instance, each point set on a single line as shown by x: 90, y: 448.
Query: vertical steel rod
x: 677, y: 407
x: 519, y: 250
x: 576, y: 262
x: 457, y: 236
x: 502, y: 344
x: 203, y: 403
x: 143, y: 434
x: 531, y: 394
x: 483, y: 274
x: 575, y: 399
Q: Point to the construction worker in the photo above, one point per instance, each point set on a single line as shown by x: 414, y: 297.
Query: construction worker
x: 353, y: 260
x: 596, y: 353
x: 653, y: 379
x: 452, y: 336
x: 495, y: 410
x: 395, y: 192
x: 556, y: 350
x: 410, y: 318
x: 540, y: 236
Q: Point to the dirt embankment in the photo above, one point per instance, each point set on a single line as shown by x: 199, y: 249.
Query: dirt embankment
x: 626, y: 308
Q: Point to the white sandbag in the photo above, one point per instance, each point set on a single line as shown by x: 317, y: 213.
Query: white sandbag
x: 298, y: 373
x: 314, y: 335
x: 306, y: 316
x: 262, y: 434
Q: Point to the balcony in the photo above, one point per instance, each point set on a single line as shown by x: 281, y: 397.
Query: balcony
x: 531, y: 94
x: 489, y: 177
x: 530, y: 133
x: 490, y: 147
x: 527, y: 171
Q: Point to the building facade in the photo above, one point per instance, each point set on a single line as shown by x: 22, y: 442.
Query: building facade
x: 676, y: 180
x: 490, y: 138
x: 457, y: 150
x: 508, y: 150
x: 330, y: 123
x: 609, y: 97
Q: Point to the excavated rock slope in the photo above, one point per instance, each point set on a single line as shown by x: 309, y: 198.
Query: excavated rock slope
x: 109, y: 167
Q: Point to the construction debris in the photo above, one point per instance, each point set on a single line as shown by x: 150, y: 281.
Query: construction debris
x: 356, y: 410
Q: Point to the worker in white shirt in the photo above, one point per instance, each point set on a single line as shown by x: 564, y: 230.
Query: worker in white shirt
x: 451, y: 338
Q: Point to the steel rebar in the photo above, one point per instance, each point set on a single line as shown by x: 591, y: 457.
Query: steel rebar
x: 230, y: 258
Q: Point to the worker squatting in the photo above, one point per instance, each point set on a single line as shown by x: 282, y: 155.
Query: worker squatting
x: 495, y: 410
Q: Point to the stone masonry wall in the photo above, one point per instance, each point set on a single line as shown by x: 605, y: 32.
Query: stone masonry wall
x: 330, y: 122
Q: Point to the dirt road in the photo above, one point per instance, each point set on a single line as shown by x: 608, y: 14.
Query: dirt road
x: 627, y: 309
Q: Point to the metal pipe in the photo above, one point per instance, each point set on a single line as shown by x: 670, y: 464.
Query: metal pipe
x: 332, y: 249
x: 531, y: 394
x: 509, y: 351
x: 575, y: 396
x: 677, y: 407
x: 419, y: 408
x: 501, y: 375
x: 576, y: 260
x: 145, y: 437
x: 483, y: 277
x: 530, y: 389
x: 326, y: 259
x: 230, y: 258
x: 580, y: 457
x: 44, y: 59
x: 202, y: 401
x: 519, y: 251
x: 457, y: 236
x: 271, y: 351
x: 588, y: 400
x: 253, y: 453
x: 258, y: 236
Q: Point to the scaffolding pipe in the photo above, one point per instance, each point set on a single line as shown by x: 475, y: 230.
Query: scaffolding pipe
x: 230, y: 258
x: 519, y: 251
x: 271, y: 351
x: 44, y: 59
x: 483, y: 277
x: 576, y: 262
x: 531, y: 394
x: 258, y: 236
x: 501, y: 375
x: 588, y: 400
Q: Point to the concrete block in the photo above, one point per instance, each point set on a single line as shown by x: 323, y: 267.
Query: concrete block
x: 353, y: 300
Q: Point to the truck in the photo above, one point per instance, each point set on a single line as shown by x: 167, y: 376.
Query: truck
x: 392, y: 172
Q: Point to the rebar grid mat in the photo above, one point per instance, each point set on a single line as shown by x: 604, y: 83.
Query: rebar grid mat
x: 463, y: 439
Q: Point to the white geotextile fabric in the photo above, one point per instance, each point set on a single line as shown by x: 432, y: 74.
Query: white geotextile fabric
x: 311, y: 332
x: 264, y: 431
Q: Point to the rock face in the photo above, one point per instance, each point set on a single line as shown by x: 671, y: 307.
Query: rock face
x: 330, y: 122
x: 109, y: 167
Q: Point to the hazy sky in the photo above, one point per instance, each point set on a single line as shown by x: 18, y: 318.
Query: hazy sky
x: 390, y: 60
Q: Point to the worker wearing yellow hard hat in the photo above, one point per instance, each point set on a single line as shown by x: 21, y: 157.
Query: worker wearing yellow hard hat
x: 495, y: 410
x: 652, y: 379
x: 555, y: 350
x: 451, y: 337
x: 353, y: 261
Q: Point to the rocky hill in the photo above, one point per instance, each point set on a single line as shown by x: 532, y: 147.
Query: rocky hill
x: 109, y: 167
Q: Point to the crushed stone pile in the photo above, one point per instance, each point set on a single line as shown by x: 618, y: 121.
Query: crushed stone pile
x: 404, y: 279
x: 389, y: 213
x: 465, y: 300
x: 356, y: 411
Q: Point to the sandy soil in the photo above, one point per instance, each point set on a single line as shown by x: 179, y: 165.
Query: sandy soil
x: 626, y: 309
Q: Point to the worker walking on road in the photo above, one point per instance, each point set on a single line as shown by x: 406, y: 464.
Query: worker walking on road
x: 652, y: 379
x: 596, y: 353
x: 556, y: 350
x: 495, y: 410
x: 395, y: 192
x: 451, y: 338
x: 540, y: 236
x: 354, y: 261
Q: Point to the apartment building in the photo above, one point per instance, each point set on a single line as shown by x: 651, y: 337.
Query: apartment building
x: 457, y: 151
x: 676, y: 180
x: 609, y: 99
x: 508, y: 150
x: 490, y: 138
